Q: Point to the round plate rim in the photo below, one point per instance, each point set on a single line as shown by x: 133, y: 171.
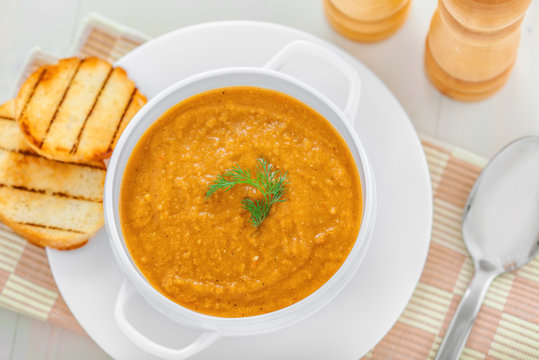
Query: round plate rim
x: 52, y: 254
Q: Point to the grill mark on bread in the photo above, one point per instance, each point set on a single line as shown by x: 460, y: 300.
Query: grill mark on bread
x: 23, y: 188
x: 43, y: 71
x: 28, y: 153
x: 23, y: 152
x: 60, y: 103
x: 7, y: 118
x: 54, y: 194
x: 76, y: 144
x: 17, y: 151
x: 50, y: 227
x: 109, y: 148
x: 75, y: 197
x: 103, y: 168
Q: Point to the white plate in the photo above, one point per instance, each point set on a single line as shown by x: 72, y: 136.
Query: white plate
x: 364, y: 312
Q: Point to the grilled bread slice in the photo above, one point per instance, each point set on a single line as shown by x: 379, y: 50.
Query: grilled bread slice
x: 50, y: 203
x: 76, y: 110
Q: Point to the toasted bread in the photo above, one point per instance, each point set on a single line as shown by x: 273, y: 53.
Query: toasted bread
x: 75, y: 110
x: 49, y: 202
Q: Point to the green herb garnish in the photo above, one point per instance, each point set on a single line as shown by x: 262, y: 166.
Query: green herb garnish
x: 267, y: 181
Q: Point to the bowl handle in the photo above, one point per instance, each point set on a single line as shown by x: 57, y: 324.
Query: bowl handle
x: 318, y: 51
x: 204, y: 340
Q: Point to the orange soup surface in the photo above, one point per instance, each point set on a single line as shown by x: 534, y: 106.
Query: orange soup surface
x: 203, y: 253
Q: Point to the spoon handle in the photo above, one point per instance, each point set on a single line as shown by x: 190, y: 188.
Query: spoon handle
x: 461, y: 325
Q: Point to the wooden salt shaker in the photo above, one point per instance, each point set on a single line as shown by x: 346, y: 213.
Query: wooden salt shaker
x: 472, y: 46
x: 366, y: 20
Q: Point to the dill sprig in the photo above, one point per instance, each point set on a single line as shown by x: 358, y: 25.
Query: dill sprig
x: 267, y: 181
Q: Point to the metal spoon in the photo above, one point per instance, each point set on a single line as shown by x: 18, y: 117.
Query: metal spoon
x: 500, y: 227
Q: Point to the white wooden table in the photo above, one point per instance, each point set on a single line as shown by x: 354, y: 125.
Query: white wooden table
x: 482, y: 127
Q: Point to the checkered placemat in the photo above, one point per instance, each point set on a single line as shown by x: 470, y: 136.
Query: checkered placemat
x: 507, y: 326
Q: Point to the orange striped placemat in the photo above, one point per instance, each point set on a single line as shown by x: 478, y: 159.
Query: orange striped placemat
x: 507, y: 326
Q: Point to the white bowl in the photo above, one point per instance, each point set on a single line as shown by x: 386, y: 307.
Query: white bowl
x: 266, y: 77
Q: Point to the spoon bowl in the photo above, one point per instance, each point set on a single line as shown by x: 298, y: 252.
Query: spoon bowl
x: 501, y: 217
x: 500, y: 227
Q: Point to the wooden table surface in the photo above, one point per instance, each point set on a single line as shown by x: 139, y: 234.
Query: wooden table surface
x: 482, y: 127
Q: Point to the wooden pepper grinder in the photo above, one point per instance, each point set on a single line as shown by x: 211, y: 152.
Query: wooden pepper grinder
x: 366, y: 20
x: 472, y: 46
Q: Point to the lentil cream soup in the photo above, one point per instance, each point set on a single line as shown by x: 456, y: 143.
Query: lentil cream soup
x: 203, y: 253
